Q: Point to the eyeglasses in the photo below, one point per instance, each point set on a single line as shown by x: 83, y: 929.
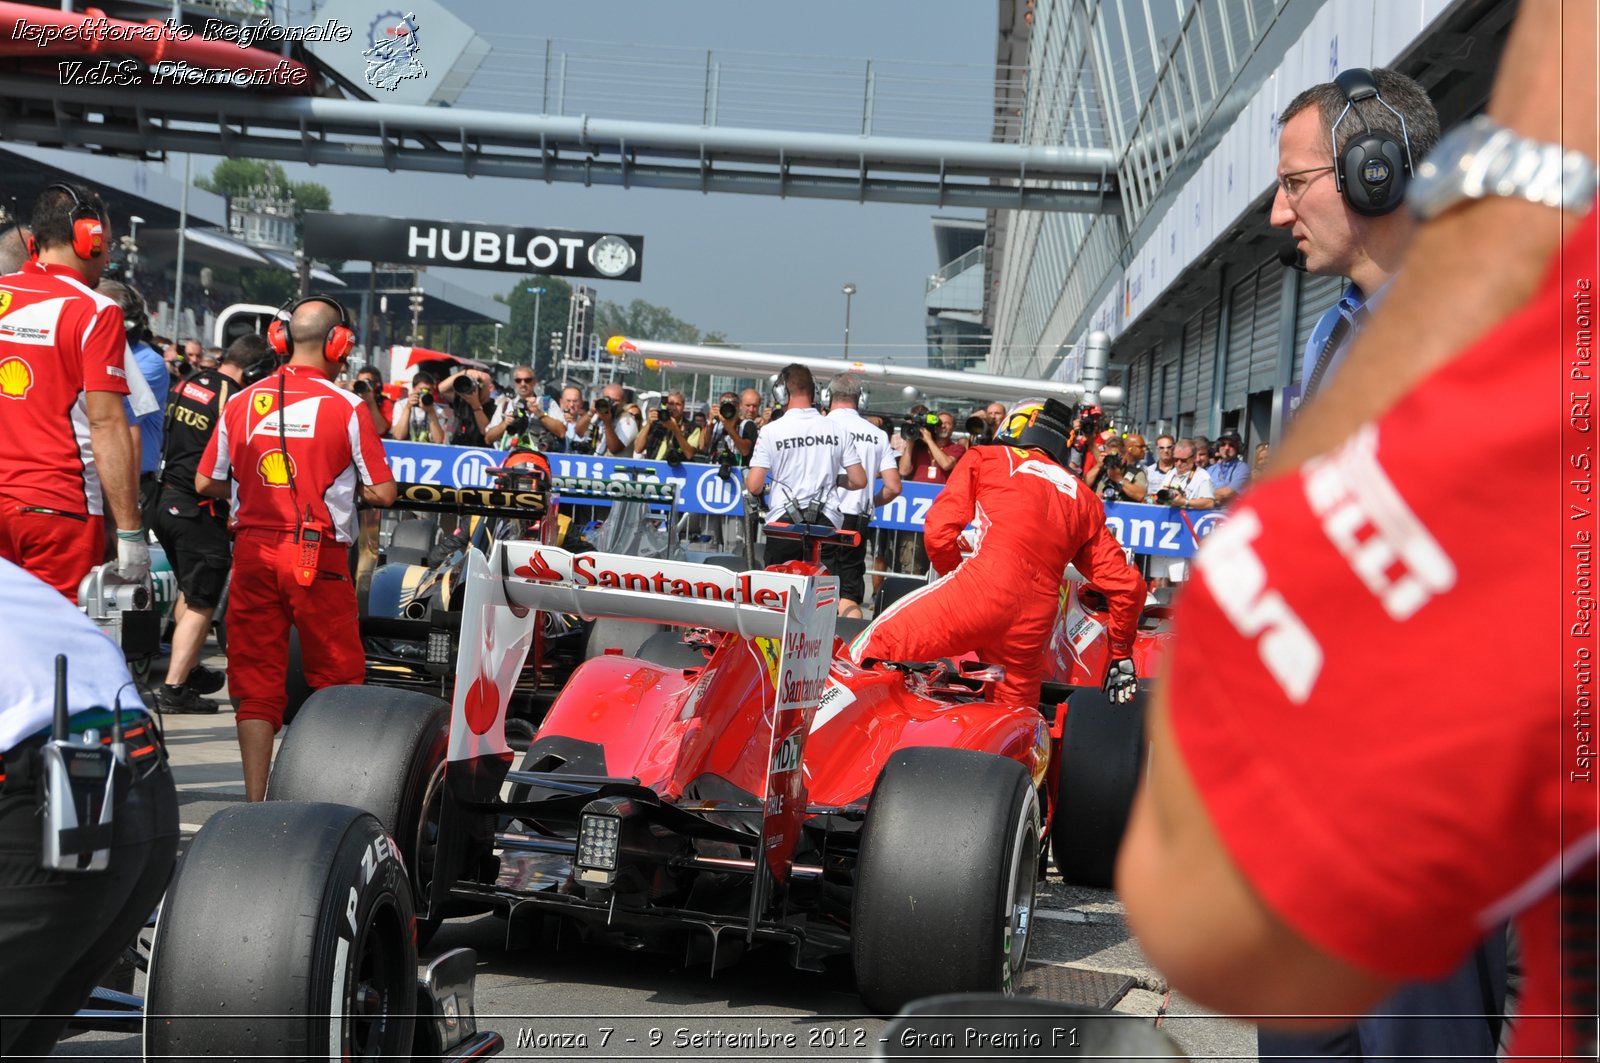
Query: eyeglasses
x: 523, y: 379
x: 1160, y: 447
x: 1293, y: 185
x: 1183, y: 457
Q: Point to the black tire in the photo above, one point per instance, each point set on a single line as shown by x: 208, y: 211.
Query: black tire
x: 379, y: 750
x: 624, y: 635
x: 956, y: 921
x: 279, y: 915
x: 668, y: 649
x: 1102, y: 756
x: 296, y: 688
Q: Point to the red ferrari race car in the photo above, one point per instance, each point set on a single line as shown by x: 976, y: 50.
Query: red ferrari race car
x: 744, y: 784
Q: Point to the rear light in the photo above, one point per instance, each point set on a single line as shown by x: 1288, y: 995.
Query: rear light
x: 438, y: 647
x: 600, y: 830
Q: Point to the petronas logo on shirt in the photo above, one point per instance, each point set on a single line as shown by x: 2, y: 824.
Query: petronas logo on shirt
x: 262, y: 403
x: 275, y: 468
x: 16, y: 377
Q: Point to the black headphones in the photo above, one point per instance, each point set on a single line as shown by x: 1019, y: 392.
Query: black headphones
x: 1374, y: 168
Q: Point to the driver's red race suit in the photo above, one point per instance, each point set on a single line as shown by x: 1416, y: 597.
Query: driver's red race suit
x: 1030, y: 517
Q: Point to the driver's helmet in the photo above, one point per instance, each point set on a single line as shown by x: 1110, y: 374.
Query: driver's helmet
x: 1045, y: 424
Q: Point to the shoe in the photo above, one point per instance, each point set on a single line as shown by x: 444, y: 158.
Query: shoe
x: 182, y: 701
x: 203, y: 680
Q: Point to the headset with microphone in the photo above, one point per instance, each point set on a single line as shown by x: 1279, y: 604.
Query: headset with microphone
x: 1374, y: 168
x: 88, y: 227
x: 337, y: 344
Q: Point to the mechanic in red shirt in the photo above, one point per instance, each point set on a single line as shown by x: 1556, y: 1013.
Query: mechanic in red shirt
x: 1030, y: 518
x: 66, y: 454
x: 299, y: 450
x: 1339, y: 800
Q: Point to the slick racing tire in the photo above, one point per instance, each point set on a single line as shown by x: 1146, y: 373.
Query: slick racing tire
x: 286, y: 934
x: 382, y: 751
x: 411, y: 541
x: 624, y: 636
x: 957, y: 922
x: 296, y: 688
x: 1102, y: 755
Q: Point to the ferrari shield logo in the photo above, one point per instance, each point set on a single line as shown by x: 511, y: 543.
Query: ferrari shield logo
x: 262, y: 403
x: 5, y: 302
x: 770, y: 653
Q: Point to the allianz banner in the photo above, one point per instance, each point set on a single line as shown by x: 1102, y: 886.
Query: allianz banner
x: 700, y: 489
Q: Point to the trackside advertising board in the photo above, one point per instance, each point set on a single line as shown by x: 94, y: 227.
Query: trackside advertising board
x: 700, y: 489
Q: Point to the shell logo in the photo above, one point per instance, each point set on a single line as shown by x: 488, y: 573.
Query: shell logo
x: 16, y: 377
x: 262, y: 403
x: 275, y: 468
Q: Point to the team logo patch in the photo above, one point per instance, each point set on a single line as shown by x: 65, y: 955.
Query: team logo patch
x: 771, y: 653
x: 5, y: 302
x: 275, y: 468
x: 262, y: 403
x: 16, y: 377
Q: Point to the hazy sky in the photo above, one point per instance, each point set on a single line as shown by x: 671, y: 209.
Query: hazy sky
x: 765, y: 271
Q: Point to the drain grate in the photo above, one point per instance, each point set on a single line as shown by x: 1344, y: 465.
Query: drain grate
x: 1073, y: 985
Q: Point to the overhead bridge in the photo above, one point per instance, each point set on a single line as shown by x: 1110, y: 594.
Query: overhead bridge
x: 148, y: 121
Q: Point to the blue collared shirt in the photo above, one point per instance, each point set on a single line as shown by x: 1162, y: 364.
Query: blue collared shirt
x: 1352, y: 307
x: 1230, y: 474
x: 152, y: 426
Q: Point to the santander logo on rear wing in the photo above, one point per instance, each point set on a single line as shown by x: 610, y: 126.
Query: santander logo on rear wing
x: 595, y: 585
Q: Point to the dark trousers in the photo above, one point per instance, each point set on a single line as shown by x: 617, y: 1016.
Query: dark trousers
x: 60, y: 931
x: 1455, y: 1018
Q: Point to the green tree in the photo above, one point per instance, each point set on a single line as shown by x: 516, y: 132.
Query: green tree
x: 238, y: 177
x: 517, y: 339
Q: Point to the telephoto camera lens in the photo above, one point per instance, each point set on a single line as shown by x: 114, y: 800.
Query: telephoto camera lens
x: 363, y: 387
x: 466, y: 385
x: 728, y: 409
x: 976, y: 426
x: 602, y: 404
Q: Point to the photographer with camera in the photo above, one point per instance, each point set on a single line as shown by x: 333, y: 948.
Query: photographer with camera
x: 419, y: 419
x: 1116, y: 479
x: 369, y: 389
x: 467, y: 391
x: 617, y: 427
x: 732, y: 437
x: 668, y: 438
x: 932, y: 454
x: 978, y: 430
x: 527, y: 419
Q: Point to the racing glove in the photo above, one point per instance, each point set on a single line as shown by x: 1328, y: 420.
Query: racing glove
x: 1121, y: 682
x: 133, y: 556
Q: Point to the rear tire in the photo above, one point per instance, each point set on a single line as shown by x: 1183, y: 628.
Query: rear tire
x: 957, y: 922
x: 382, y: 751
x: 1102, y: 755
x: 286, y: 933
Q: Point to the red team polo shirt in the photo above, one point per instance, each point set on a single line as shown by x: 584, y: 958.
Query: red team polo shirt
x: 332, y: 450
x: 59, y: 339
x: 1395, y: 758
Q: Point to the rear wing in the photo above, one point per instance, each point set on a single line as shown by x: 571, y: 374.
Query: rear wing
x: 504, y: 590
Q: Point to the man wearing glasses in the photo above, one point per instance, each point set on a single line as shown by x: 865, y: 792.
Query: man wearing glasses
x: 1332, y: 238
x: 527, y: 420
x: 1187, y: 486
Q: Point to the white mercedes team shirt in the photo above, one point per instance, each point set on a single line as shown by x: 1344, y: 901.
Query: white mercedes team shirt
x: 803, y: 453
x: 872, y: 444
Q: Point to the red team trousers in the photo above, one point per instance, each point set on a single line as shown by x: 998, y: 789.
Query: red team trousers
x: 58, y: 548
x: 264, y: 600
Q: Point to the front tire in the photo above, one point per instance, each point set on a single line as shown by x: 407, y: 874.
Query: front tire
x: 286, y: 933
x: 957, y: 922
x: 1102, y: 756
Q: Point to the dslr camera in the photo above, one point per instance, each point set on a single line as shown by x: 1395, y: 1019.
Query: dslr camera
x: 1165, y: 496
x: 663, y: 414
x: 465, y: 385
x: 362, y: 387
x: 602, y: 404
x: 724, y: 465
x: 728, y: 409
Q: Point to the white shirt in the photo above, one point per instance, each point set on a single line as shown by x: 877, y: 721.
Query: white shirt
x: 36, y: 624
x: 803, y: 453
x: 877, y: 457
x: 1196, y: 484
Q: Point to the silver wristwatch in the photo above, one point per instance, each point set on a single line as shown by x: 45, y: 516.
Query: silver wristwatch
x: 1483, y: 158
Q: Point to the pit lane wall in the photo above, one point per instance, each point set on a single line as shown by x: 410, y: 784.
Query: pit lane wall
x: 1159, y: 530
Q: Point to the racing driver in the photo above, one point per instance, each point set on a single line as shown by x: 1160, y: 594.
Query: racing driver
x: 1002, y: 601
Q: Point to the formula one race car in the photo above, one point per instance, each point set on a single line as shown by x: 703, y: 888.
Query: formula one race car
x: 747, y: 784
